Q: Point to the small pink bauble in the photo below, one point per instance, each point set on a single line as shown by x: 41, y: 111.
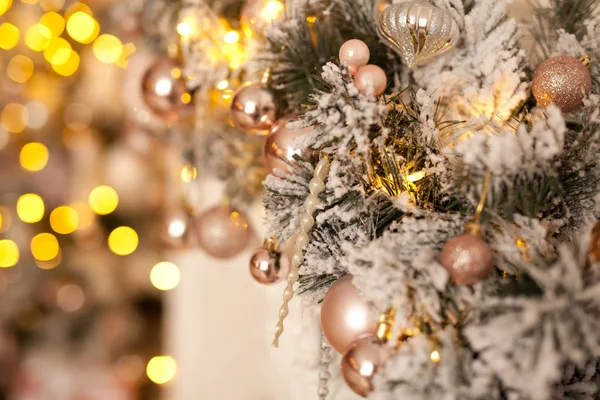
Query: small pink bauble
x: 164, y: 91
x: 563, y: 81
x: 223, y: 232
x: 174, y: 229
x: 370, y: 80
x: 254, y: 109
x: 354, y: 54
x: 345, y: 316
x: 467, y: 258
x: 365, y: 357
x: 279, y: 150
x: 268, y: 266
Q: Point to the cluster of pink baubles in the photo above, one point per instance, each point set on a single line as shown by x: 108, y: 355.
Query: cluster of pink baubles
x: 369, y: 79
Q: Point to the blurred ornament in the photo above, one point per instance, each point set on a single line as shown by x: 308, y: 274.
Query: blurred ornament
x: 254, y: 109
x: 257, y: 15
x: 365, y: 357
x: 345, y: 315
x: 417, y: 30
x: 279, y: 150
x: 165, y: 92
x: 354, y: 54
x: 268, y: 265
x: 467, y: 258
x: 223, y: 232
x: 370, y: 80
x: 564, y: 81
x: 594, y: 249
x: 175, y: 228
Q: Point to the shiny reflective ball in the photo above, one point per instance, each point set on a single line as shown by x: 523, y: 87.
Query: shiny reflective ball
x: 254, y: 109
x: 279, y: 150
x: 223, y: 232
x: 365, y: 357
x: 268, y: 267
x: 467, y: 258
x: 175, y: 229
x: 370, y: 80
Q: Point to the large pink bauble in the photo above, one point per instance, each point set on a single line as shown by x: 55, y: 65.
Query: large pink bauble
x: 354, y: 54
x: 370, y: 80
x: 345, y: 316
x: 279, y: 150
x: 254, y: 109
x: 165, y: 93
x: 268, y: 266
x: 365, y: 357
x: 467, y: 258
x: 175, y: 229
x: 223, y: 232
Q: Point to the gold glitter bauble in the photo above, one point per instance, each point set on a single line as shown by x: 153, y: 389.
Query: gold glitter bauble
x: 563, y: 81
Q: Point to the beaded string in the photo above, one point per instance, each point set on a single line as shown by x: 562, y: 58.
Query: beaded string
x: 324, y: 374
x: 316, y: 186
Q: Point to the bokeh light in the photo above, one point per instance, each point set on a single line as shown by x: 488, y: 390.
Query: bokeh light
x: 165, y: 275
x: 9, y: 36
x: 5, y: 5
x: 231, y: 37
x: 34, y: 156
x: 50, y: 264
x: 188, y: 173
x: 52, y: 5
x: 103, y: 200
x: 14, y: 118
x: 53, y: 21
x: 107, y: 48
x: 9, y: 253
x: 70, y: 297
x: 75, y: 7
x: 68, y: 68
x: 161, y: 369
x: 85, y: 215
x: 38, y: 37
x: 64, y: 220
x: 44, y: 247
x: 123, y: 241
x: 6, y: 219
x: 58, y: 52
x: 30, y: 208
x: 82, y: 27
x: 38, y: 114
x: 20, y: 68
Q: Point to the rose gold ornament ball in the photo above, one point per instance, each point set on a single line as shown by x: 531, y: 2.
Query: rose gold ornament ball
x: 345, y: 316
x: 467, y: 258
x: 563, y: 81
x: 164, y: 91
x: 222, y: 232
x: 279, y: 150
x: 370, y: 80
x: 354, y: 54
x: 268, y: 267
x: 254, y: 109
x: 365, y: 357
x: 174, y: 229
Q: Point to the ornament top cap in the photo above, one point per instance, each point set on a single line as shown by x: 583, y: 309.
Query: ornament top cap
x: 417, y: 30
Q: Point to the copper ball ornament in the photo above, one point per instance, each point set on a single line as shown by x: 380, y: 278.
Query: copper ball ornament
x: 223, y: 232
x: 164, y: 91
x: 563, y: 80
x: 467, y: 258
x: 365, y: 357
x: 345, y: 315
x: 268, y: 265
x: 254, y: 109
x: 370, y: 80
x: 279, y: 149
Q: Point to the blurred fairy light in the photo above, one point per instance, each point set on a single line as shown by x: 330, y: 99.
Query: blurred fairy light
x: 435, y: 356
x: 50, y: 264
x: 69, y: 67
x: 103, y: 200
x: 85, y: 216
x: 224, y: 84
x: 107, y: 48
x: 30, y: 208
x: 186, y: 98
x: 9, y: 253
x: 64, y: 220
x: 20, y: 68
x: 165, y: 275
x: 58, y: 52
x: 53, y: 21
x: 38, y: 114
x: 70, y: 297
x: 123, y: 241
x: 188, y: 173
x: 272, y: 11
x: 161, y: 369
x: 38, y: 37
x: 231, y: 37
x: 5, y: 219
x: 9, y: 36
x: 44, y: 247
x: 5, y: 5
x: 34, y: 156
x: 75, y: 7
x: 52, y: 5
x: 14, y: 118
x: 188, y: 27
x: 82, y: 27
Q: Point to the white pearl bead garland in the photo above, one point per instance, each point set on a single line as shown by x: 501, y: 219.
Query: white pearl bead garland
x: 316, y: 186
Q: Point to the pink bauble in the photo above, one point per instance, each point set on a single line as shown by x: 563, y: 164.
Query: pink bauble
x: 365, y: 357
x: 165, y: 93
x: 279, y: 150
x: 222, y: 232
x: 467, y: 258
x: 254, y: 109
x: 175, y: 229
x: 370, y: 80
x: 345, y: 316
x: 354, y: 54
x: 268, y: 266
